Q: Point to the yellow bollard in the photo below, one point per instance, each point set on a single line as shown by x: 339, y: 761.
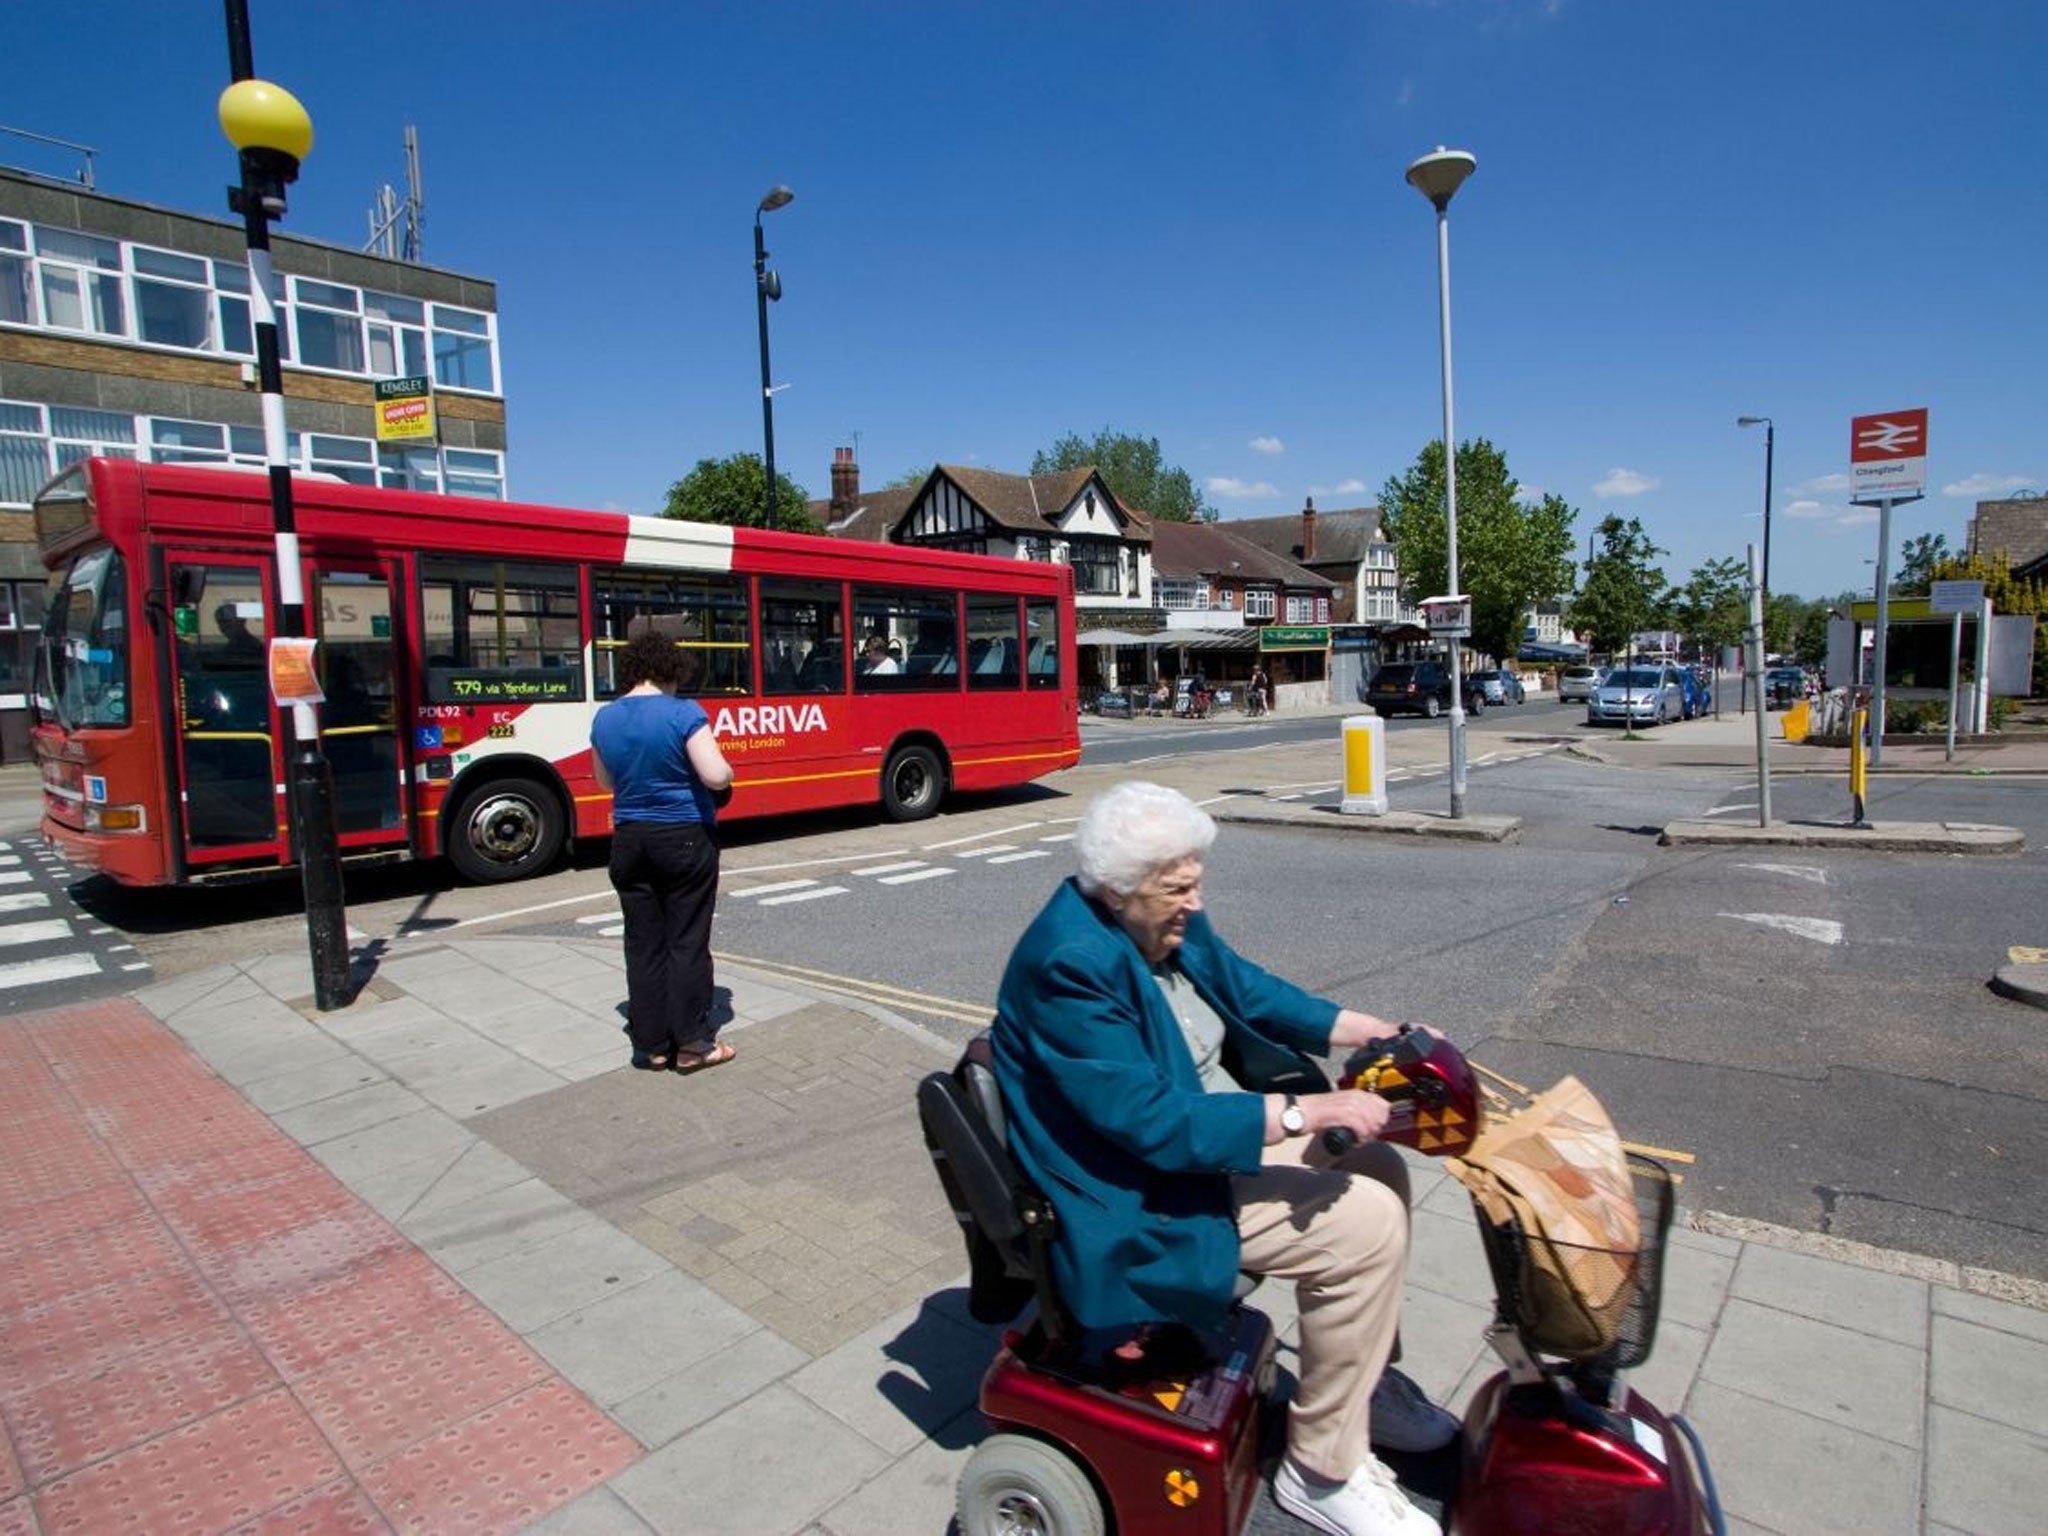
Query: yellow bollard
x: 1797, y: 721
x: 1858, y: 772
x: 1365, y: 766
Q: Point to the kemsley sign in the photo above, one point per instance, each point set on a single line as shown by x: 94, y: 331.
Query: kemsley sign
x: 405, y: 410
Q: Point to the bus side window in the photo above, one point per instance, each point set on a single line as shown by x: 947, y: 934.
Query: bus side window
x: 706, y: 616
x: 1042, y: 619
x: 802, y: 634
x: 992, y: 645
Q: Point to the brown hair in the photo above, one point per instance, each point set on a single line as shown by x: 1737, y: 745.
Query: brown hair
x: 649, y: 657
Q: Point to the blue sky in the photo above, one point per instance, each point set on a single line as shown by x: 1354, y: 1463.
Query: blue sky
x: 1186, y: 221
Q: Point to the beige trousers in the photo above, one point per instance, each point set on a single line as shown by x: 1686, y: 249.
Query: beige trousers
x: 1338, y: 1228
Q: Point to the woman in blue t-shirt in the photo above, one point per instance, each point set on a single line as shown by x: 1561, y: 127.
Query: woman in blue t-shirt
x: 656, y: 754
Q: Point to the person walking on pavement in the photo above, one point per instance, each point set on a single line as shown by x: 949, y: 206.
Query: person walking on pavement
x: 657, y: 755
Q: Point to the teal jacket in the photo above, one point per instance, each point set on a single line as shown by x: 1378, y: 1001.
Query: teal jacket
x: 1108, y: 1117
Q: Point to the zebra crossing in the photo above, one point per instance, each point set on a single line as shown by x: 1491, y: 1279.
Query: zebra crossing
x: 945, y: 861
x: 50, y: 950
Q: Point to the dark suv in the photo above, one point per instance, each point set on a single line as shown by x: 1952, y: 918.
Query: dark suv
x: 1418, y: 688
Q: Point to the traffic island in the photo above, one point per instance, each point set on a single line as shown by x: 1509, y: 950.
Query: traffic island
x: 1878, y: 836
x: 1328, y: 818
x: 2024, y: 981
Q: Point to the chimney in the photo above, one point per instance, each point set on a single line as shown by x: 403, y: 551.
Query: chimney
x: 1308, y: 530
x: 845, y: 483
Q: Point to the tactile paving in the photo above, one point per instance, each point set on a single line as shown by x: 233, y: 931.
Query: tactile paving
x: 88, y: 1331
x: 17, y: 1519
x: 210, y: 1476
x: 504, y: 1468
x: 401, y: 1293
x: 397, y: 1392
x: 136, y: 1399
x: 339, y: 1509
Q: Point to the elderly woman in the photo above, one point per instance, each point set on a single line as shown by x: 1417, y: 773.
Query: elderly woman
x: 1128, y: 1042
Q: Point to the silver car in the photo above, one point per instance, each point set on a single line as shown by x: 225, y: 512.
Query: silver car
x: 1577, y: 683
x: 1637, y: 696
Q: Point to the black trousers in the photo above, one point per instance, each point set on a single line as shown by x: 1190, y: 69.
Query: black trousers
x: 667, y: 880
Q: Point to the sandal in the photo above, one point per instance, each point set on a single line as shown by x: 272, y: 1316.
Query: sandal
x: 717, y: 1054
x: 646, y: 1063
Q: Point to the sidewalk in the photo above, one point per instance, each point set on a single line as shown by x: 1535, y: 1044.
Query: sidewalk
x: 440, y: 1262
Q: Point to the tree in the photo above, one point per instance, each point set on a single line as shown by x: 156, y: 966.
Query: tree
x: 1134, y: 470
x: 728, y: 491
x: 1712, y: 608
x: 1917, y: 562
x: 1510, y: 554
x: 1810, y: 639
x: 909, y: 479
x: 2008, y: 594
x: 1782, y: 613
x: 1624, y: 591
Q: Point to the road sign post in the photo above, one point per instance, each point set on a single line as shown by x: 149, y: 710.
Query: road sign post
x: 1954, y: 598
x: 1887, y: 465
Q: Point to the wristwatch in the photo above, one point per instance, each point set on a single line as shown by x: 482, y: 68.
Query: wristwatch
x: 1292, y: 1120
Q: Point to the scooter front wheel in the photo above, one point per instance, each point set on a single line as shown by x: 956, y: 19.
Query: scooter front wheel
x: 1014, y: 1485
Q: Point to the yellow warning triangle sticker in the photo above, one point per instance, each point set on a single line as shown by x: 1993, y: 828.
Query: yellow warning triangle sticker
x: 1452, y: 1117
x: 1182, y: 1488
x: 1169, y: 1397
x: 1428, y: 1141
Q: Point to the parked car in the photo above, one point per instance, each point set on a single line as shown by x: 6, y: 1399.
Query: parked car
x: 1501, y: 687
x: 1784, y: 687
x: 1577, y: 683
x: 1637, y: 696
x: 1417, y: 688
x: 1698, y: 686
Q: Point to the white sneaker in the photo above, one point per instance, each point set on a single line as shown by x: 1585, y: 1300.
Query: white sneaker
x: 1369, y: 1503
x: 1404, y: 1419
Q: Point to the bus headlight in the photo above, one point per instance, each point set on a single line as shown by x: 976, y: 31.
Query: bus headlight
x: 113, y: 818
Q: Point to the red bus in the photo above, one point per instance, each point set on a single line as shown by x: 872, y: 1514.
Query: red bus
x: 465, y: 645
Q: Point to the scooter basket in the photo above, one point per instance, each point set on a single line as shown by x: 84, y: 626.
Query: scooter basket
x: 1582, y: 1303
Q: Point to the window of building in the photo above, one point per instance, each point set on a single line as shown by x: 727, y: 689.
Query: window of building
x: 1258, y: 602
x: 397, y: 332
x: 329, y: 324
x: 173, y: 307
x: 462, y: 349
x: 24, y: 452
x: 80, y: 277
x: 78, y: 434
x: 500, y: 632
x: 203, y: 442
x: 705, y: 615
x: 21, y: 629
x: 1098, y: 565
x: 474, y: 472
x: 1178, y: 593
x: 909, y: 640
x: 803, y: 637
x: 17, y: 290
x: 1301, y: 609
x: 1226, y: 598
x: 353, y: 459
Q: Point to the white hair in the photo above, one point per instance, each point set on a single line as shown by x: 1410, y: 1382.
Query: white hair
x: 1135, y: 829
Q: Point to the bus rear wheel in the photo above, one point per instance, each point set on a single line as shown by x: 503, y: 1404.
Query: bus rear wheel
x: 912, y: 784
x: 504, y: 829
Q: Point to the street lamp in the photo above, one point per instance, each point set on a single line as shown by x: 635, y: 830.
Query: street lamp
x: 272, y: 132
x: 1437, y: 176
x: 1764, y: 582
x: 767, y: 285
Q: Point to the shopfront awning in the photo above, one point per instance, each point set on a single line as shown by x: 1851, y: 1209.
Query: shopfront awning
x: 1245, y: 639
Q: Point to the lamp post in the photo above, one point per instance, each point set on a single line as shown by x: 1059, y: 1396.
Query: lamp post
x: 767, y: 285
x: 272, y: 132
x: 1437, y: 176
x: 1764, y: 585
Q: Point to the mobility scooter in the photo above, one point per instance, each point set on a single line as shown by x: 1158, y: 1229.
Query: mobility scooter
x: 1168, y: 1434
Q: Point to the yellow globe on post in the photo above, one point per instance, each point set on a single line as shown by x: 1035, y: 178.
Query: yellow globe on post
x: 255, y: 114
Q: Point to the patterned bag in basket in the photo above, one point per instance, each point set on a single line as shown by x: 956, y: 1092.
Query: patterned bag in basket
x: 1557, y: 1170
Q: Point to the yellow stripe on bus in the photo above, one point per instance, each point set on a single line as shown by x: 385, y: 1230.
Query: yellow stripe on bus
x: 227, y: 735
x: 751, y: 782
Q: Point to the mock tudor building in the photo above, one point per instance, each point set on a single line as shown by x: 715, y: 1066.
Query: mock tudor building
x: 1349, y: 547
x: 1069, y: 517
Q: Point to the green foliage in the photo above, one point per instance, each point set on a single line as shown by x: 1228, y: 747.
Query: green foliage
x: 1810, y: 637
x: 1712, y: 607
x: 1134, y: 469
x: 1917, y: 564
x: 728, y: 491
x: 2008, y: 594
x: 1625, y: 589
x: 1782, y: 613
x: 908, y: 480
x: 1510, y: 554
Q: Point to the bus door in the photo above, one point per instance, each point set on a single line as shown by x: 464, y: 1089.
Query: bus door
x: 351, y: 606
x: 229, y: 760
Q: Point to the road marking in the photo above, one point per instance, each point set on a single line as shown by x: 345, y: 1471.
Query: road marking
x: 982, y: 837
x: 1028, y: 853
x: 769, y: 890
x: 1726, y: 810
x: 599, y: 917
x: 867, y: 991
x: 890, y: 869
x: 1058, y: 837
x: 16, y: 877
x: 919, y: 874
x: 1808, y: 872
x: 975, y: 853
x: 811, y: 895
x: 29, y: 973
x: 24, y: 902
x: 35, y: 933
x: 1819, y: 929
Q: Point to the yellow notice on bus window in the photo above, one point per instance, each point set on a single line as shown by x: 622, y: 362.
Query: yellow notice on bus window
x: 293, y: 679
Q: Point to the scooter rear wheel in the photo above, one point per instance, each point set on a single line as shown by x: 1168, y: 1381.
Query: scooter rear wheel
x: 1016, y: 1486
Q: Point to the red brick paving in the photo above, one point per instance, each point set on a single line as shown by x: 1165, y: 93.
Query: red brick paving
x: 202, y: 1331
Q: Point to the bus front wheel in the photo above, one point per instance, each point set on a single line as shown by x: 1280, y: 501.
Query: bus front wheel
x: 505, y: 829
x: 912, y: 784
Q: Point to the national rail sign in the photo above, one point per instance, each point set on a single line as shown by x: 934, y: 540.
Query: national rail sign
x: 1888, y: 456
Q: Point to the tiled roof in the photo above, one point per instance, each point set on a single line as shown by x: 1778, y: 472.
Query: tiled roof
x: 1342, y: 534
x: 2016, y: 527
x: 877, y: 515
x: 1183, y: 550
x: 1025, y: 504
